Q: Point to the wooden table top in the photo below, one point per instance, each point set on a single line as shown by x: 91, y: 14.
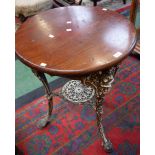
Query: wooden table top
x: 74, y: 40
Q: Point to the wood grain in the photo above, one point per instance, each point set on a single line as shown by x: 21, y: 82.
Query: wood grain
x: 98, y: 39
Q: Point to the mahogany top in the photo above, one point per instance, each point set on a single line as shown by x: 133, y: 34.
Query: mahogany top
x: 74, y: 40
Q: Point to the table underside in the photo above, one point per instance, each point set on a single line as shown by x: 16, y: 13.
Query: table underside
x: 88, y: 90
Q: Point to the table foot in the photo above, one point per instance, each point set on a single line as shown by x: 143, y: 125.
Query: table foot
x: 106, y: 142
x: 43, y: 122
x: 108, y: 147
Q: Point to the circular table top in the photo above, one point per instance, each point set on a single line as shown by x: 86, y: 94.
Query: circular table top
x: 74, y: 40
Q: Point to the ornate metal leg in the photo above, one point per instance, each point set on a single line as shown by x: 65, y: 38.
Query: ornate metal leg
x: 99, y: 111
x: 43, y: 122
x: 101, y: 81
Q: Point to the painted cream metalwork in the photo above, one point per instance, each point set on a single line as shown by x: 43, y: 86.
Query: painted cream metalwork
x: 74, y: 91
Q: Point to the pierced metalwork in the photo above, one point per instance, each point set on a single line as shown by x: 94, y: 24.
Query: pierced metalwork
x: 90, y: 89
x: 74, y: 91
x: 101, y: 81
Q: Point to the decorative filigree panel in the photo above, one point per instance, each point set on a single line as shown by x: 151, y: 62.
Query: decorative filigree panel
x: 76, y: 92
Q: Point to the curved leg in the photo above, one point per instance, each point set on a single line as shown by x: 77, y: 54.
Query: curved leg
x: 101, y: 81
x: 43, y: 122
x: 99, y: 111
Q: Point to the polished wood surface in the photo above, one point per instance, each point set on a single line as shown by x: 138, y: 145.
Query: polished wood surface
x: 74, y: 40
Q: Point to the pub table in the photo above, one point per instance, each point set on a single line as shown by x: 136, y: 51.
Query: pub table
x: 84, y: 44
